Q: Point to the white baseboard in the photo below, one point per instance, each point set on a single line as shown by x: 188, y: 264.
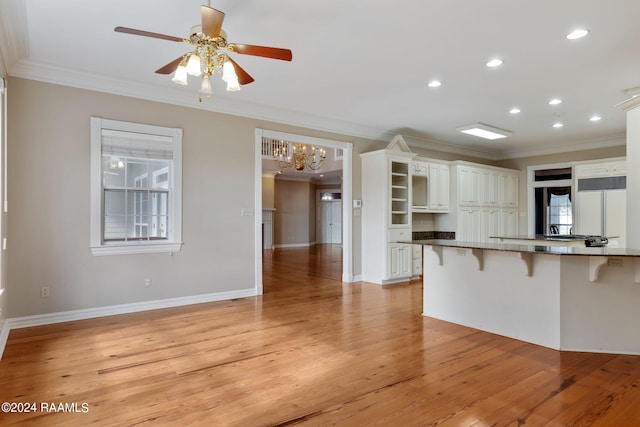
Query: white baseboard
x: 294, y: 245
x: 357, y: 278
x: 90, y: 313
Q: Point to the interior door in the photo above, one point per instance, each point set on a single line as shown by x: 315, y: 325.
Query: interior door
x: 329, y: 222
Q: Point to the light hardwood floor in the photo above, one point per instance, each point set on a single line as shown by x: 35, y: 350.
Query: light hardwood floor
x: 310, y: 351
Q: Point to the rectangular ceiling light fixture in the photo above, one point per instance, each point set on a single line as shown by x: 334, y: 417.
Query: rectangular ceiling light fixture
x: 484, y: 131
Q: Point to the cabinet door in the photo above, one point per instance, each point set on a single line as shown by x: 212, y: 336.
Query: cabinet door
x: 469, y: 225
x: 492, y: 224
x: 511, y: 190
x: 420, y: 168
x: 400, y: 263
x: 439, y: 188
x: 510, y: 222
x: 469, y: 186
x: 490, y: 188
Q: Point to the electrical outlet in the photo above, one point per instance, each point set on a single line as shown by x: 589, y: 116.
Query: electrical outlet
x: 147, y: 282
x: 44, y: 292
x: 461, y: 252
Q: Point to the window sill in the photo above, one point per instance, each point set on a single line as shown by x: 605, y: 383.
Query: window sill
x: 137, y: 248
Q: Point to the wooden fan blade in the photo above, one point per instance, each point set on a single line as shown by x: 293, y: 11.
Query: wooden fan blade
x: 264, y: 51
x: 211, y: 21
x: 146, y: 34
x: 170, y: 67
x: 243, y: 77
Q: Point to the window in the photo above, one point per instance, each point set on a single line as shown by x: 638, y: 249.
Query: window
x: 560, y: 219
x: 136, y: 176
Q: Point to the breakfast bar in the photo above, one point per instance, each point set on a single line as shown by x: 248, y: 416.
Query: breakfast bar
x: 562, y: 297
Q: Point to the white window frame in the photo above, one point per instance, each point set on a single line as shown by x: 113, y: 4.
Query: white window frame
x: 174, y: 241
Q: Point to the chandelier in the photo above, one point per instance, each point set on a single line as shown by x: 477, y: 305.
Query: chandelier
x: 289, y: 156
x: 210, y: 55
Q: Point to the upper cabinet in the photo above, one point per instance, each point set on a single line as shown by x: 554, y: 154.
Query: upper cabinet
x: 613, y: 167
x: 486, y: 186
x: 400, y: 190
x: 485, y: 202
x: 430, y: 186
x: 419, y: 168
x: 439, y: 187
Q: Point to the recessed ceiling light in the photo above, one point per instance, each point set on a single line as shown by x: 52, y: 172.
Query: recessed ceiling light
x: 495, y: 63
x: 555, y: 101
x: 595, y: 118
x: 434, y: 83
x: 577, y: 34
x: 514, y: 111
x: 484, y: 131
x: 557, y: 125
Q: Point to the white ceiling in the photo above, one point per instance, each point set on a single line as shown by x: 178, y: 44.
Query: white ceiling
x: 361, y: 67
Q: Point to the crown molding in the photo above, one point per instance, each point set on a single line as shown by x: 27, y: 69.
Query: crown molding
x: 47, y: 73
x: 630, y: 103
x: 566, y: 147
x: 178, y: 96
x: 13, y: 33
x: 447, y: 147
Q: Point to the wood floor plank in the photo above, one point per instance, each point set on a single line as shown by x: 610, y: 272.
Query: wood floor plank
x: 310, y: 351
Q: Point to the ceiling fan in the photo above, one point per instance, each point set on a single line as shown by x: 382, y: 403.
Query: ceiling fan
x: 211, y: 53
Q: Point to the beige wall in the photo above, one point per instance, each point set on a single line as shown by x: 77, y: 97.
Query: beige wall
x: 48, y: 221
x: 294, y: 223
x: 268, y: 188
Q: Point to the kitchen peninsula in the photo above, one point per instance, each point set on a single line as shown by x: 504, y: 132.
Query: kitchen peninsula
x: 565, y: 298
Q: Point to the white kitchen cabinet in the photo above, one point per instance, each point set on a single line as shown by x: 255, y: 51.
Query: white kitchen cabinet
x: 416, y: 260
x: 386, y: 214
x: 469, y: 186
x: 419, y: 168
x: 611, y: 167
x: 510, y: 190
x: 469, y: 224
x: 439, y: 193
x: 485, y: 202
x: 400, y: 261
x: 400, y: 192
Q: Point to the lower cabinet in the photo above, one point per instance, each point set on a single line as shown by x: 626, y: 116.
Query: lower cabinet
x: 416, y: 260
x: 400, y: 260
x: 479, y: 224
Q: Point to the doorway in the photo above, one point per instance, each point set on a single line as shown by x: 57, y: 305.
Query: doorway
x: 329, y: 216
x: 346, y: 152
x: 550, y: 195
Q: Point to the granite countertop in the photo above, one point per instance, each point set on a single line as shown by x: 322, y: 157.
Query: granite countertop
x: 553, y: 237
x: 537, y: 249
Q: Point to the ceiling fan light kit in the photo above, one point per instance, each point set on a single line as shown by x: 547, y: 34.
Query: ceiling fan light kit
x: 210, y: 54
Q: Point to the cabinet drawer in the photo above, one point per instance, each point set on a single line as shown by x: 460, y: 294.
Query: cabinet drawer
x: 417, y: 267
x: 417, y: 252
x: 399, y: 235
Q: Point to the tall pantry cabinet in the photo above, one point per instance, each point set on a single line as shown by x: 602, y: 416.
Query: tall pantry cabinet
x: 485, y: 202
x: 386, y: 214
